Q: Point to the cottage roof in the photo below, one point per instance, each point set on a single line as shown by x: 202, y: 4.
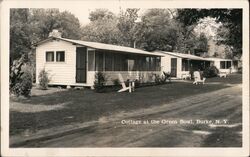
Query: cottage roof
x: 192, y: 57
x: 217, y: 59
x: 182, y: 55
x: 103, y: 46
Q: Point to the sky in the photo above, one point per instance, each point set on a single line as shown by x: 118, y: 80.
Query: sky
x: 207, y: 25
x: 83, y: 14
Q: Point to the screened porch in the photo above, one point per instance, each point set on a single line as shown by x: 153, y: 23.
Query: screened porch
x: 129, y: 65
x: 189, y: 66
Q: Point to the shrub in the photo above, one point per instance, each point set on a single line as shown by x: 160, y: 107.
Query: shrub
x: 116, y: 82
x: 211, y: 71
x: 240, y: 70
x: 43, y: 79
x: 100, y: 81
x: 23, y: 84
x: 162, y: 79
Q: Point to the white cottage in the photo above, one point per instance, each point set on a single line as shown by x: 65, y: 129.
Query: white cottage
x: 75, y: 62
x: 179, y: 65
x: 224, y: 65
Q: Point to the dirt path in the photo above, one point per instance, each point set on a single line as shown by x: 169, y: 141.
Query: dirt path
x: 165, y: 127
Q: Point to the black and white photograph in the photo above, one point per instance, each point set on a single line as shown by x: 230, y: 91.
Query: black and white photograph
x: 118, y: 74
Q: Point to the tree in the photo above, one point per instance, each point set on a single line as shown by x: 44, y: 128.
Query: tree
x: 160, y: 31
x: 28, y: 26
x: 230, y: 18
x: 19, y: 33
x: 202, y: 43
x: 101, y: 14
x: 102, y: 28
x: 127, y: 26
x: 45, y: 20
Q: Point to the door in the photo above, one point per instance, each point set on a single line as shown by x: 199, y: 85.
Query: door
x: 81, y: 64
x: 173, y: 67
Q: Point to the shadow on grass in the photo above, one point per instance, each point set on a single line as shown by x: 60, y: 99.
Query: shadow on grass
x: 231, y: 79
x: 224, y: 137
x: 86, y: 105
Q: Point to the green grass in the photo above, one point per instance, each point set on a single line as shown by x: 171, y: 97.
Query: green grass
x: 86, y: 105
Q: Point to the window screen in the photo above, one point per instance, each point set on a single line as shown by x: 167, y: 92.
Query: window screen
x: 108, y: 61
x: 49, y: 56
x: 98, y: 61
x: 91, y: 60
x: 60, y: 56
x: 117, y: 62
x: 131, y: 65
x: 184, y: 65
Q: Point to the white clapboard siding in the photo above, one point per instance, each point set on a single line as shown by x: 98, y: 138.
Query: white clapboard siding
x: 166, y: 64
x: 59, y: 72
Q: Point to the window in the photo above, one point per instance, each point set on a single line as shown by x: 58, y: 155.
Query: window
x: 225, y: 64
x: 222, y: 65
x: 108, y: 61
x: 117, y: 62
x: 98, y: 61
x: 158, y: 64
x: 184, y: 65
x: 131, y: 65
x: 228, y: 64
x: 60, y: 56
x: 91, y: 60
x: 49, y: 56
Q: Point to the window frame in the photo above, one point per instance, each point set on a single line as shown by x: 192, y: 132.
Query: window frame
x: 56, y: 56
x: 54, y: 52
x: 53, y: 56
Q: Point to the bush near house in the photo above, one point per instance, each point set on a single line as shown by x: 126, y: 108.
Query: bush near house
x: 23, y: 83
x: 211, y: 71
x: 43, y: 79
x: 162, y: 79
x: 21, y: 78
x: 100, y: 81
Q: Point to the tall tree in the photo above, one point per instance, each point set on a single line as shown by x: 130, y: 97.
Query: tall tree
x: 128, y: 26
x: 19, y: 33
x: 102, y: 28
x: 230, y: 18
x: 160, y: 31
x: 28, y: 26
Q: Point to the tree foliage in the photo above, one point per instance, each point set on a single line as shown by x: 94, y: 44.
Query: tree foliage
x: 20, y: 42
x: 102, y: 28
x: 128, y: 27
x: 28, y: 26
x: 230, y: 18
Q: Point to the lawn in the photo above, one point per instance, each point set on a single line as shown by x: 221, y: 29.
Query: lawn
x: 57, y: 107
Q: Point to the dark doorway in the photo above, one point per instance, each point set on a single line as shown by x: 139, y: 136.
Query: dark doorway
x: 173, y: 67
x: 81, y: 60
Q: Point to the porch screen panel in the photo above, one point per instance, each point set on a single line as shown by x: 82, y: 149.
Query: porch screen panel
x: 152, y: 66
x: 131, y: 65
x: 158, y: 64
x: 184, y: 65
x: 124, y: 62
x: 145, y: 63
x: 148, y: 64
x: 98, y: 61
x: 91, y: 60
x: 117, y: 62
x: 108, y: 62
